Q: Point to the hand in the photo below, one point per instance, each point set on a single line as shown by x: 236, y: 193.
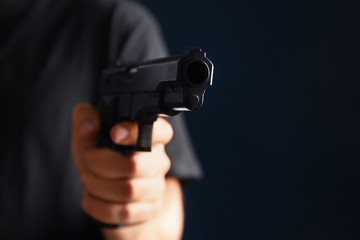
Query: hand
x: 119, y: 188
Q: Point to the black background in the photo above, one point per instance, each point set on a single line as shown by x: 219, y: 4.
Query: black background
x: 278, y: 136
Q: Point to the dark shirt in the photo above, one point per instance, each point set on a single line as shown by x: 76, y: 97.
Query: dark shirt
x: 50, y: 60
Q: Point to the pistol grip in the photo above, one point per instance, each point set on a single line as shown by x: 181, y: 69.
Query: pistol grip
x: 144, y: 142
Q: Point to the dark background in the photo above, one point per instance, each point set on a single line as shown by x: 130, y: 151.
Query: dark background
x: 278, y: 136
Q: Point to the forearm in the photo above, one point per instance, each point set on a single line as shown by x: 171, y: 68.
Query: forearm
x: 167, y: 225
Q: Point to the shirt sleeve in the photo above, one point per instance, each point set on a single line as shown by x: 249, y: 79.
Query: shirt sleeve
x: 135, y: 37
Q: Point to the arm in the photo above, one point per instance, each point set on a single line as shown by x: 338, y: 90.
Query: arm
x: 128, y: 189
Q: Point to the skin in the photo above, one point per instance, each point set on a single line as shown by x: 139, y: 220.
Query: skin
x: 128, y: 189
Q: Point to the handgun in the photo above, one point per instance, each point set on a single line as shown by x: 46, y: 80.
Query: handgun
x: 140, y: 92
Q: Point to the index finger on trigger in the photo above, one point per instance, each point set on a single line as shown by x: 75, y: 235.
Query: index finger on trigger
x: 125, y: 133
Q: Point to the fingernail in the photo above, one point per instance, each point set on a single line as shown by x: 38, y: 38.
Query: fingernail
x: 86, y: 127
x: 120, y: 134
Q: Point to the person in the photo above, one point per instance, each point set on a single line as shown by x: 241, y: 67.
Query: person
x: 52, y: 54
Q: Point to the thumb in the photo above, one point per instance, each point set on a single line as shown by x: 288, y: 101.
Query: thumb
x: 85, y: 129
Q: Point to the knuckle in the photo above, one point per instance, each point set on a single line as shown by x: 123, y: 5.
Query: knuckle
x: 171, y: 132
x: 169, y: 129
x: 133, y: 166
x: 166, y: 164
x: 125, y: 214
x: 163, y: 159
x: 88, y: 206
x: 85, y: 180
x: 129, y: 190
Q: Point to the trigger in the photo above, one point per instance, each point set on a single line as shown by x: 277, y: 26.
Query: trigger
x: 144, y: 142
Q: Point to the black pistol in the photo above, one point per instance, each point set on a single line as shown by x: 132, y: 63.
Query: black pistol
x: 139, y: 92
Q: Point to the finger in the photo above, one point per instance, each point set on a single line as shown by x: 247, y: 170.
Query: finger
x: 124, y: 190
x: 85, y: 129
x: 109, y: 164
x: 115, y: 213
x: 162, y: 132
x: 126, y: 133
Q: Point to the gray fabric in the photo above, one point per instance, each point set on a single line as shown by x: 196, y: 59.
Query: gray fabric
x: 51, y: 62
x: 184, y: 165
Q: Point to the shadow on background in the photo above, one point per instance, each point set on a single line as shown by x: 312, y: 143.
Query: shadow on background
x: 278, y: 136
